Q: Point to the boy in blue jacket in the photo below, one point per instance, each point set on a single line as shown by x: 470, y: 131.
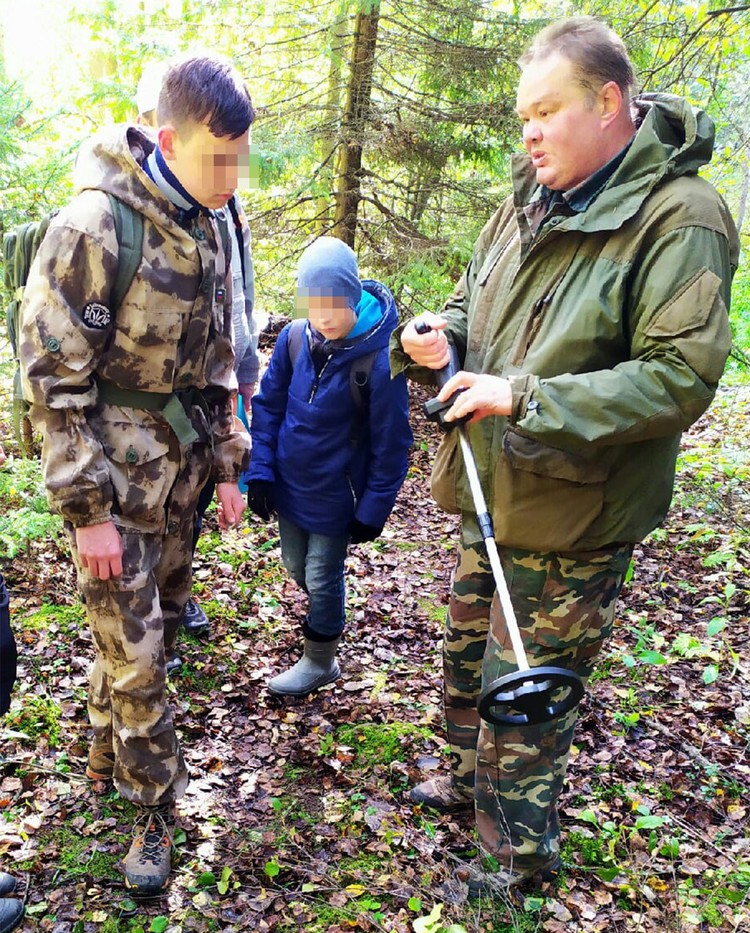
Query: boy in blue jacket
x: 330, y: 467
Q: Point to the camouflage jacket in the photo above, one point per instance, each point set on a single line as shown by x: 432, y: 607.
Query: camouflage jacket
x: 611, y: 324
x: 172, y: 332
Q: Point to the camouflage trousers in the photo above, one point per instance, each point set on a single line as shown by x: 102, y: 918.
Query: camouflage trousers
x: 134, y: 620
x: 565, y: 609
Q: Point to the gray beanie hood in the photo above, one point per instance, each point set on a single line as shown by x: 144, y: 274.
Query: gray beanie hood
x: 329, y: 267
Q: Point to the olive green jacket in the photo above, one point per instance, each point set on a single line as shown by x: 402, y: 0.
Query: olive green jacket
x: 611, y: 325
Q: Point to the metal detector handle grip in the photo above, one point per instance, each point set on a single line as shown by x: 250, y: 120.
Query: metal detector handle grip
x: 433, y: 409
x: 454, y: 364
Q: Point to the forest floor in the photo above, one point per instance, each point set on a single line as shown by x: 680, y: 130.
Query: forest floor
x: 295, y: 817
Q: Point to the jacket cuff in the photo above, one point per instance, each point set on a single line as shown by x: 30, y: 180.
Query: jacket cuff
x: 93, y: 508
x: 249, y: 368
x: 231, y: 458
x: 401, y: 362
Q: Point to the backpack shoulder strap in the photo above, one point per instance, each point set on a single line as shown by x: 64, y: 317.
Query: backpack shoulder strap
x: 294, y: 341
x: 226, y: 241
x: 238, y: 238
x: 129, y: 232
x: 359, y: 379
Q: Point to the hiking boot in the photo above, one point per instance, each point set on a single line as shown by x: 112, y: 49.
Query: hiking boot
x: 7, y: 884
x: 149, y: 859
x: 174, y: 663
x: 194, y: 619
x: 101, y: 764
x: 441, y: 793
x: 486, y: 883
x: 316, y: 667
x: 11, y: 913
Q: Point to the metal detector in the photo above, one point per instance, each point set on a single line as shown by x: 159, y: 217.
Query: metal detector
x: 528, y: 696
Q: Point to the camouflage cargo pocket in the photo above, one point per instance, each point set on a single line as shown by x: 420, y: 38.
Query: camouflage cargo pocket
x: 142, y: 474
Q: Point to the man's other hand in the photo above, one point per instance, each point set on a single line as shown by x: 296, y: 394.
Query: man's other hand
x: 483, y: 395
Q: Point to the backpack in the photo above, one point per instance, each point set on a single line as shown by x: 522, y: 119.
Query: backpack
x: 359, y: 374
x: 20, y: 246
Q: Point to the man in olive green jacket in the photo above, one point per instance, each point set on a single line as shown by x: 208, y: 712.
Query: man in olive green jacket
x: 593, y: 328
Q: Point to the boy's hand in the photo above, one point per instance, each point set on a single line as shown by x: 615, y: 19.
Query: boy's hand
x: 359, y: 532
x: 231, y: 504
x: 259, y: 498
x: 100, y: 550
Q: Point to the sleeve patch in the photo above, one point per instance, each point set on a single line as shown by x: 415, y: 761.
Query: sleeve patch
x: 96, y: 315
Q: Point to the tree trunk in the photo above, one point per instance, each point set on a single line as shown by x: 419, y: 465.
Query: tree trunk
x: 742, y: 208
x: 355, y: 121
x: 329, y: 136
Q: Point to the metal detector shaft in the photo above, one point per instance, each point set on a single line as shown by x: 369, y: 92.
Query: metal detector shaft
x: 488, y: 534
x: 528, y: 696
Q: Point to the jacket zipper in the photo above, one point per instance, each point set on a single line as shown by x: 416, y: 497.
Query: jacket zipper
x: 533, y: 324
x: 491, y: 261
x: 316, y: 383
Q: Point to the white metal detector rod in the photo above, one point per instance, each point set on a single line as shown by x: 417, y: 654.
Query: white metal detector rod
x: 485, y: 524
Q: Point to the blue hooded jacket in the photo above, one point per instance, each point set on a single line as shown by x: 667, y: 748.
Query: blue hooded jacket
x: 302, y: 428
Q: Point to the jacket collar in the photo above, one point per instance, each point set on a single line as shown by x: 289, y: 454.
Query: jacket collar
x: 673, y: 139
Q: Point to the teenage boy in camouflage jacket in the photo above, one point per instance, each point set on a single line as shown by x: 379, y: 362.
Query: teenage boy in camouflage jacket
x: 134, y: 406
x: 593, y: 328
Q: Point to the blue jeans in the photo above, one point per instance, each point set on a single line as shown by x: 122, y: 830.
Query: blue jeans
x: 316, y: 563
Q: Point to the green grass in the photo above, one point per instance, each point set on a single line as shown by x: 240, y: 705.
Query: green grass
x: 740, y: 318
x: 435, y: 612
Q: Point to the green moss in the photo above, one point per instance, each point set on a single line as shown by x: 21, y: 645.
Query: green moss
x: 435, y: 611
x: 407, y: 545
x: 37, y: 717
x: 78, y: 856
x: 215, y: 610
x: 379, y: 743
x: 67, y: 618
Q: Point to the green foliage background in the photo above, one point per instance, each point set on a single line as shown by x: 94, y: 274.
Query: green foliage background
x: 441, y: 124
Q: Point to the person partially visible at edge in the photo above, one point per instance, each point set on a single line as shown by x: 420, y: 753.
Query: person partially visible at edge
x: 244, y: 324
x: 592, y: 325
x: 11, y: 907
x: 134, y: 405
x: 330, y: 469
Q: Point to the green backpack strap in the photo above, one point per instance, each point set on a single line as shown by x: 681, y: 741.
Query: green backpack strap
x: 129, y: 231
x: 11, y: 309
x: 226, y: 239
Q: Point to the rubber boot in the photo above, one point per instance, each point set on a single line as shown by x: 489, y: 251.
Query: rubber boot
x: 316, y: 667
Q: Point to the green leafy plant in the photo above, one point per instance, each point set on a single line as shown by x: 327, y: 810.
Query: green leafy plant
x: 24, y: 513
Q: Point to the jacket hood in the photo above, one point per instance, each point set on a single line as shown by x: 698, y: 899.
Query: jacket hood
x: 378, y: 335
x: 673, y: 139
x: 111, y: 161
